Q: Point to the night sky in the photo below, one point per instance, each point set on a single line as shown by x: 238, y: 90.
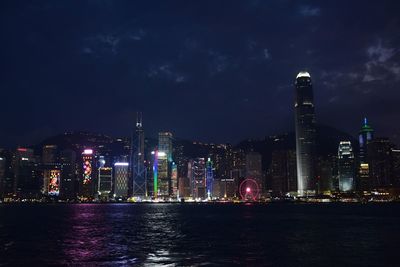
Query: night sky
x: 214, y: 71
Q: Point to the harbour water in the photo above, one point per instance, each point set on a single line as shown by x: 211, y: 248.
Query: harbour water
x: 198, y: 234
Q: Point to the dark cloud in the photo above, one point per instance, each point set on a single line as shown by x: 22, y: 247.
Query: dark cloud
x: 215, y: 71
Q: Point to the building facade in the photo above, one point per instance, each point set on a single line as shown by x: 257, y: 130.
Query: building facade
x: 346, y: 167
x: 305, y: 134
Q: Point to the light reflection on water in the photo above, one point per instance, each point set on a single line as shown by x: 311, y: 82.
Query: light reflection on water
x: 198, y: 234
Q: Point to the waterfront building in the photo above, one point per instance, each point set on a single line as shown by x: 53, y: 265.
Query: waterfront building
x: 197, y: 176
x: 68, y: 174
x: 380, y: 161
x: 305, y: 134
x: 87, y: 180
x: 164, y: 163
x: 121, y: 180
x: 254, y: 168
x: 209, y: 178
x: 139, y: 171
x: 174, y: 180
x: 365, y: 136
x: 27, y: 176
x: 104, y: 182
x: 346, y: 167
x: 282, y: 172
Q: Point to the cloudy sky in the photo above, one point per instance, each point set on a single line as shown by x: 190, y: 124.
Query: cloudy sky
x: 217, y: 71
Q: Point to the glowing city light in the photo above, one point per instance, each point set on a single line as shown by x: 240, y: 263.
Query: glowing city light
x: 161, y: 154
x: 88, y: 152
x: 303, y: 74
x: 121, y: 164
x: 248, y: 190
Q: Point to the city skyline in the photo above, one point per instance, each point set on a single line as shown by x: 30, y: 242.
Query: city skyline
x: 192, y: 71
x: 192, y: 133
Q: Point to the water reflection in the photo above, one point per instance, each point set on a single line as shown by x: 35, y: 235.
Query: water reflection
x: 198, y: 234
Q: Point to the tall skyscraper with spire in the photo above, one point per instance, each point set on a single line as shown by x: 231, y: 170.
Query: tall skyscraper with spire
x: 139, y: 174
x: 365, y: 136
x: 305, y: 134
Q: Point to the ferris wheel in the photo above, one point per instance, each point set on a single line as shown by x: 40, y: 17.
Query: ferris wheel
x: 249, y: 190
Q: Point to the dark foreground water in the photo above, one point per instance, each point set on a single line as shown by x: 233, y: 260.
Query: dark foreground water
x: 200, y: 234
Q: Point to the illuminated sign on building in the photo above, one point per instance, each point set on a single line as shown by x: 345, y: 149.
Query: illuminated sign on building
x: 87, y: 166
x: 87, y: 171
x: 54, y: 183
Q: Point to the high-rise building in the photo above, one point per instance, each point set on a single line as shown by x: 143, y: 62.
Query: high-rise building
x: 2, y: 173
x: 155, y: 173
x: 121, y: 178
x: 305, y: 134
x: 87, y: 183
x: 395, y: 171
x: 209, y: 178
x: 49, y: 154
x: 164, y: 163
x: 197, y: 176
x: 105, y: 182
x: 6, y: 174
x: 282, y: 172
x: 326, y: 172
x: 52, y: 180
x: 254, y: 168
x: 380, y: 161
x: 174, y: 180
x: 346, y: 167
x: 51, y: 171
x: 365, y: 136
x: 68, y: 174
x: 139, y: 171
x: 27, y: 180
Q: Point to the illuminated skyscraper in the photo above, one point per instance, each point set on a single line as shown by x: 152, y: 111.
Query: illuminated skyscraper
x: 139, y: 173
x: 155, y: 173
x: 365, y: 136
x: 209, y: 178
x: 105, y: 182
x: 174, y: 180
x: 121, y: 177
x: 305, y: 134
x: 68, y: 174
x: 346, y: 166
x: 164, y: 163
x: 87, y: 185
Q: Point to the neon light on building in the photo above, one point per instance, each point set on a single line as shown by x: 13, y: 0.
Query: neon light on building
x: 87, y: 166
x: 87, y: 172
x: 209, y: 178
x: 121, y: 176
x: 54, y: 183
x: 155, y: 174
x: 174, y: 179
x: 87, y: 152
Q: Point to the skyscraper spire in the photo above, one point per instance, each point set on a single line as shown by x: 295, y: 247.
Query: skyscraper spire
x: 139, y: 120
